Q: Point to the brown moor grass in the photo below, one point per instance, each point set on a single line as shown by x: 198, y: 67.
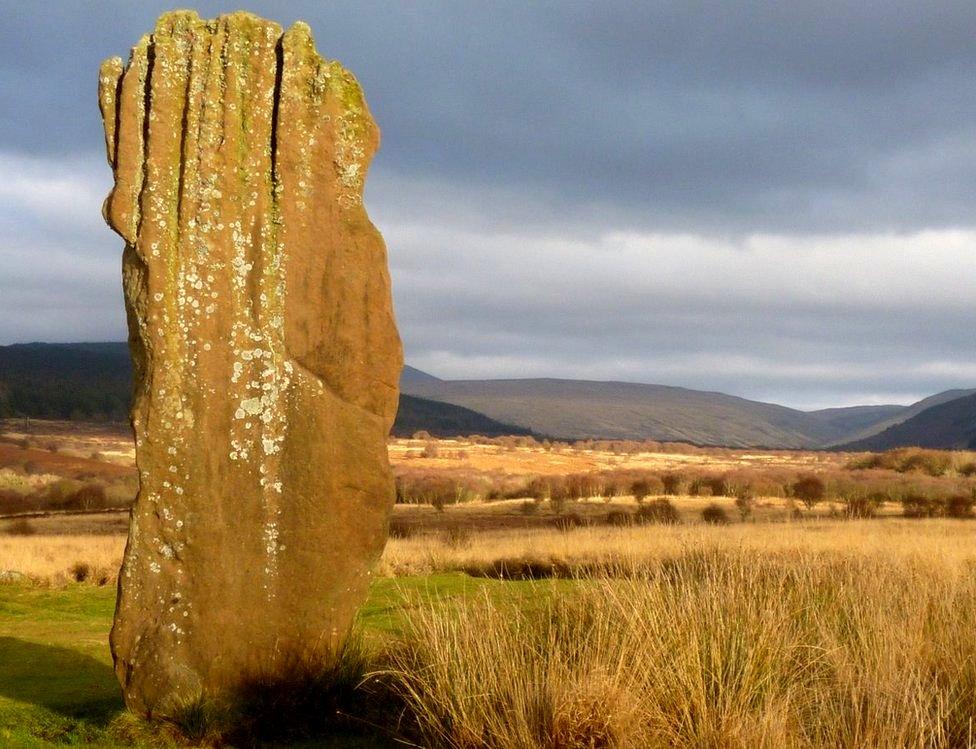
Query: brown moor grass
x: 809, y: 634
x: 717, y: 648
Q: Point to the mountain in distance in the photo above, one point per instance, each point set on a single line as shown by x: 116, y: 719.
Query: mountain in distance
x: 576, y: 409
x: 947, y: 425
x: 62, y: 381
x: 412, y: 377
x: 907, y: 413
x: 439, y: 418
x: 94, y: 381
x: 446, y: 420
x: 573, y: 409
x: 856, y: 419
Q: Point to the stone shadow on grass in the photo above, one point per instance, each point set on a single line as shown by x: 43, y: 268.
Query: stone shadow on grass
x: 59, y: 679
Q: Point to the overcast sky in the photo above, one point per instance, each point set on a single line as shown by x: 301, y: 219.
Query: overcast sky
x: 775, y: 200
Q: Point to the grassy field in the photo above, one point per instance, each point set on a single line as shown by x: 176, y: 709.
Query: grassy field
x: 822, y: 634
x: 539, y: 603
x: 472, y: 540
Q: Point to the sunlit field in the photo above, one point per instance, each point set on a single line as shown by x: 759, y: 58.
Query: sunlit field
x: 540, y: 595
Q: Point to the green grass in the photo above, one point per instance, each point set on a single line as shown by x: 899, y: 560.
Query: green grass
x: 57, y: 686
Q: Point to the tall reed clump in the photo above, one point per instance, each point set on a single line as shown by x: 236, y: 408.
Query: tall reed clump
x: 723, y: 649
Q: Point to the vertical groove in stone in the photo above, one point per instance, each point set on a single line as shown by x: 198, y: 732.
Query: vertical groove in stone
x: 109, y: 80
x: 265, y: 352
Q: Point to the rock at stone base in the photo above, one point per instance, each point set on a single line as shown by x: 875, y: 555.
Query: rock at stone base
x: 265, y: 349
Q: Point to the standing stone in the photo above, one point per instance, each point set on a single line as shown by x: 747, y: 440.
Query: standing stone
x: 265, y: 350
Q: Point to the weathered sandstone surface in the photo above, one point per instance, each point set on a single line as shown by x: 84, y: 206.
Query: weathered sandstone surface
x: 265, y: 351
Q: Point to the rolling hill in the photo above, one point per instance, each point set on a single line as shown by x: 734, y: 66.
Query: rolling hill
x: 907, y: 413
x: 65, y: 381
x: 573, y: 409
x: 857, y: 419
x: 947, y: 424
x: 84, y: 381
x: 446, y: 420
x: 93, y: 381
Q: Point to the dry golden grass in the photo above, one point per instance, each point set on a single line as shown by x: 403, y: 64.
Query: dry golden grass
x: 532, y: 552
x: 534, y: 460
x: 113, y: 444
x: 51, y: 559
x: 768, y: 633
x: 724, y: 647
x: 820, y: 633
x: 546, y: 551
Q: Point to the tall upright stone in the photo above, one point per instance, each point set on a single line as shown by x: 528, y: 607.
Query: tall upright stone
x: 265, y: 350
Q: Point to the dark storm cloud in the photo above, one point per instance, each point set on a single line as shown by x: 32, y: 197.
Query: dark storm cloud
x: 838, y: 138
x: 823, y: 115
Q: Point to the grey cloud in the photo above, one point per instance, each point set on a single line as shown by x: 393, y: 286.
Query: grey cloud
x: 793, y: 116
x: 518, y: 137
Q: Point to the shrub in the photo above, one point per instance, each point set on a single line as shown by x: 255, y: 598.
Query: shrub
x: 658, y: 511
x: 744, y: 505
x: 640, y: 489
x: 672, y: 483
x: 918, y: 506
x: 809, y: 490
x: 581, y: 486
x: 710, y: 486
x: 620, y: 518
x: 558, y: 495
x: 59, y: 494
x: 529, y: 507
x: 932, y: 462
x: 430, y: 450
x: 80, y: 571
x: 433, y: 488
x: 12, y: 502
x: 908, y: 459
x: 960, y: 506
x: 715, y: 515
x: 88, y: 497
x: 861, y: 507
x: 538, y: 488
x: 968, y: 469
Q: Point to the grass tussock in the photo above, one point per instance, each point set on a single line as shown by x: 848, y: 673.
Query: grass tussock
x: 715, y: 649
x: 812, y: 634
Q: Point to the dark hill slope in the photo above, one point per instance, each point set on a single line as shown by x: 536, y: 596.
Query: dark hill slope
x: 65, y: 381
x: 906, y: 413
x: 950, y: 425
x: 446, y: 420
